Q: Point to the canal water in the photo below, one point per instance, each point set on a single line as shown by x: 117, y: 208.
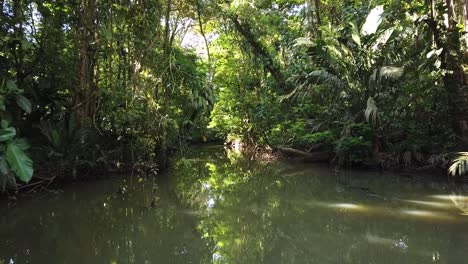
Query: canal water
x: 217, y: 206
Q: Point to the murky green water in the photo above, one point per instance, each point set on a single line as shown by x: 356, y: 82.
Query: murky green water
x: 217, y: 207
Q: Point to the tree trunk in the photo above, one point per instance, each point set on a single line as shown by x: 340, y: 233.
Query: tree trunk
x: 268, y: 61
x: 455, y: 83
x: 454, y: 78
x: 84, y: 99
x: 317, y: 12
x: 306, y: 156
x: 465, y: 21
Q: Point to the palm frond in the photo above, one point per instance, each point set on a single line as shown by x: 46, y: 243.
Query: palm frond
x: 333, y: 53
x: 385, y: 72
x: 303, y: 42
x: 459, y: 165
x: 407, y: 157
x: 390, y: 72
x: 383, y: 38
x: 305, y: 83
x: 372, y: 112
x: 442, y: 160
x: 324, y: 77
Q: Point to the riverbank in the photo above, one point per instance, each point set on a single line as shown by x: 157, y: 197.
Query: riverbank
x: 436, y: 165
x: 43, y: 181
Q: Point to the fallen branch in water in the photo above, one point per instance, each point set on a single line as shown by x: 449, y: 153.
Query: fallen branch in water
x: 42, y: 183
x: 30, y: 185
x: 312, y: 157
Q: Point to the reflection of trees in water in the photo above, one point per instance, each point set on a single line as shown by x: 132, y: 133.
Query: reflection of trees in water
x: 236, y: 205
x: 250, y: 212
x: 217, y: 207
x: 108, y: 229
x: 258, y: 216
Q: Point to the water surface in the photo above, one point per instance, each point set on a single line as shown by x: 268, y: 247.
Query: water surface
x: 215, y: 206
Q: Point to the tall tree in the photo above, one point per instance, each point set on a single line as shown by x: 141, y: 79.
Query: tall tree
x: 259, y: 50
x: 447, y: 37
x: 84, y: 103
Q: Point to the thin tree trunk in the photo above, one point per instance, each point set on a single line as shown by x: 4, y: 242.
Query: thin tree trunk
x: 18, y: 16
x: 162, y: 152
x: 310, y: 18
x: 167, y: 32
x: 202, y: 31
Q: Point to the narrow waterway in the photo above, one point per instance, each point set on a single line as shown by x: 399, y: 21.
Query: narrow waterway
x: 215, y: 206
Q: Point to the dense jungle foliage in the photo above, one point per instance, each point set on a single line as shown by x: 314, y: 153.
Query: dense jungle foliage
x: 93, y: 86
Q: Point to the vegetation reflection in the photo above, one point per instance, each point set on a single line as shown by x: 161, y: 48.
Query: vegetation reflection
x: 254, y: 212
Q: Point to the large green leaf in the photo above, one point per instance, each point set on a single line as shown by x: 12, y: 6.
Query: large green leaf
x: 355, y: 34
x: 11, y: 85
x: 7, y: 133
x: 21, y: 143
x: 19, y: 162
x: 373, y: 21
x: 24, y: 103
